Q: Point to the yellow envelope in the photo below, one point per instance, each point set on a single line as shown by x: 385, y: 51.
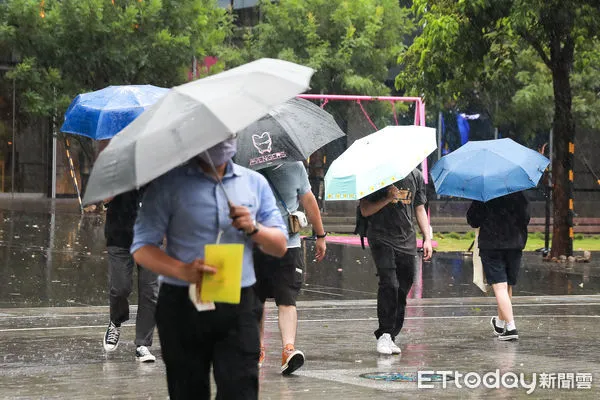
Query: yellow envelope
x: 225, y: 285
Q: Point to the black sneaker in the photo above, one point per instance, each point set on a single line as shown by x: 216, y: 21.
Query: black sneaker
x: 509, y: 335
x: 111, y: 337
x: 497, y: 330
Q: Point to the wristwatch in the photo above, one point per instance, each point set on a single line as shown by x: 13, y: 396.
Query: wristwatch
x: 255, y: 230
x: 323, y: 236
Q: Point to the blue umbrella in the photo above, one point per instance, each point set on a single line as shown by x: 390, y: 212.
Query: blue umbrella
x: 104, y: 113
x: 487, y: 169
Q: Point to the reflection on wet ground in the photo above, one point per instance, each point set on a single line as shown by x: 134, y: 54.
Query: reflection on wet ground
x: 60, y: 260
x: 348, y: 272
x: 54, y: 352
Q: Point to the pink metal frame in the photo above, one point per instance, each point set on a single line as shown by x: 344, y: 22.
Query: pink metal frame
x: 419, y: 109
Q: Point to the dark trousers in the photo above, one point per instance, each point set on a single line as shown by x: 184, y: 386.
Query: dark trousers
x: 120, y: 277
x: 396, y: 272
x: 226, y: 338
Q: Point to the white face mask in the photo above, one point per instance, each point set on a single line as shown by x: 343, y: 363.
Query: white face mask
x: 220, y: 153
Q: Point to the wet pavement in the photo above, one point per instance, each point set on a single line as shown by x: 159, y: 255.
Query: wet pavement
x: 53, y: 314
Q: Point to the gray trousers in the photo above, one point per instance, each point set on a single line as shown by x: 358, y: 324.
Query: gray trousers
x: 120, y: 283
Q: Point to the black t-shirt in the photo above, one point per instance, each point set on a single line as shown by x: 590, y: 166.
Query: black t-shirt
x: 120, y: 219
x: 393, y: 225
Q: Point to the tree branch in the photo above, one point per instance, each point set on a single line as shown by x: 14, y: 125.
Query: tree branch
x: 537, y: 46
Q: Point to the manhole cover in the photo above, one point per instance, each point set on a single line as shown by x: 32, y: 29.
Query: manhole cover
x: 404, y: 377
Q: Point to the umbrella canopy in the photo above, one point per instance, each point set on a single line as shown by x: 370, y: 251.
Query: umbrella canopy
x: 104, y: 113
x: 487, y: 169
x: 290, y: 132
x: 190, y: 119
x: 378, y: 160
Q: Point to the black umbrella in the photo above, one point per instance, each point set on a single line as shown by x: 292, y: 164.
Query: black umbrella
x: 290, y: 132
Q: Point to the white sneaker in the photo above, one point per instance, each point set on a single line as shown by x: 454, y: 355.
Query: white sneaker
x: 384, y: 344
x: 142, y: 354
x: 395, y: 349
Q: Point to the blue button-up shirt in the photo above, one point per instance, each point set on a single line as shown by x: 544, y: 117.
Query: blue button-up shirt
x: 190, y: 209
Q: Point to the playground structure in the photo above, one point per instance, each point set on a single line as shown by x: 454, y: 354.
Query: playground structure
x: 419, y: 114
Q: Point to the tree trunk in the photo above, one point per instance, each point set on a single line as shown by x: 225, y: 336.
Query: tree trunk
x: 562, y: 166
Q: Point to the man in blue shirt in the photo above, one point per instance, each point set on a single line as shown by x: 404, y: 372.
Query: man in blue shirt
x: 188, y: 206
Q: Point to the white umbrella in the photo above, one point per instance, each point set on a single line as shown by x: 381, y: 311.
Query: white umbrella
x: 190, y: 119
x: 378, y: 160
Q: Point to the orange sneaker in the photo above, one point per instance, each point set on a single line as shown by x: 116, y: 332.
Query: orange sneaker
x: 291, y: 359
x: 261, y: 358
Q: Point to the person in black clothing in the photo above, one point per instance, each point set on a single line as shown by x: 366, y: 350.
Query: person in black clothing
x: 121, y: 214
x: 393, y: 242
x: 502, y: 224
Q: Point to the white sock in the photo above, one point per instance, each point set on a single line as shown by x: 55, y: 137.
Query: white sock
x: 499, y: 323
x: 511, y: 326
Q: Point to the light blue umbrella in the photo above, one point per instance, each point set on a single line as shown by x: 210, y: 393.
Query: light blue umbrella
x: 104, y: 113
x: 378, y: 160
x: 487, y: 169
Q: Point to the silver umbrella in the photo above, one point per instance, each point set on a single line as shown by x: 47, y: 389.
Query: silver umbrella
x: 190, y: 119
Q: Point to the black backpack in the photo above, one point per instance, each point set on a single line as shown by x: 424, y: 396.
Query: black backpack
x: 362, y: 224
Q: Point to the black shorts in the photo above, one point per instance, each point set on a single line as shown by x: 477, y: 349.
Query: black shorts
x: 279, y: 278
x: 501, y: 265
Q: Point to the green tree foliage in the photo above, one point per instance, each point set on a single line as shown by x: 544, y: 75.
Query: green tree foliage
x: 350, y: 44
x: 537, y: 59
x: 66, y: 47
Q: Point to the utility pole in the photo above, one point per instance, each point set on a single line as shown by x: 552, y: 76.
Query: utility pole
x: 14, y: 129
x: 54, y: 145
x: 548, y: 207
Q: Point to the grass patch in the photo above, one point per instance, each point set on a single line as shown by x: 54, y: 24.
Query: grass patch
x: 534, y: 242
x: 469, y: 235
x: 456, y: 242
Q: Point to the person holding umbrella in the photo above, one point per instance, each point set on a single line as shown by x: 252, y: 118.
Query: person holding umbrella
x: 494, y: 173
x: 393, y: 244
x: 189, y: 206
x: 277, y: 145
x: 502, y: 224
x: 100, y: 115
x: 282, y: 279
x: 121, y: 212
x: 379, y: 169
